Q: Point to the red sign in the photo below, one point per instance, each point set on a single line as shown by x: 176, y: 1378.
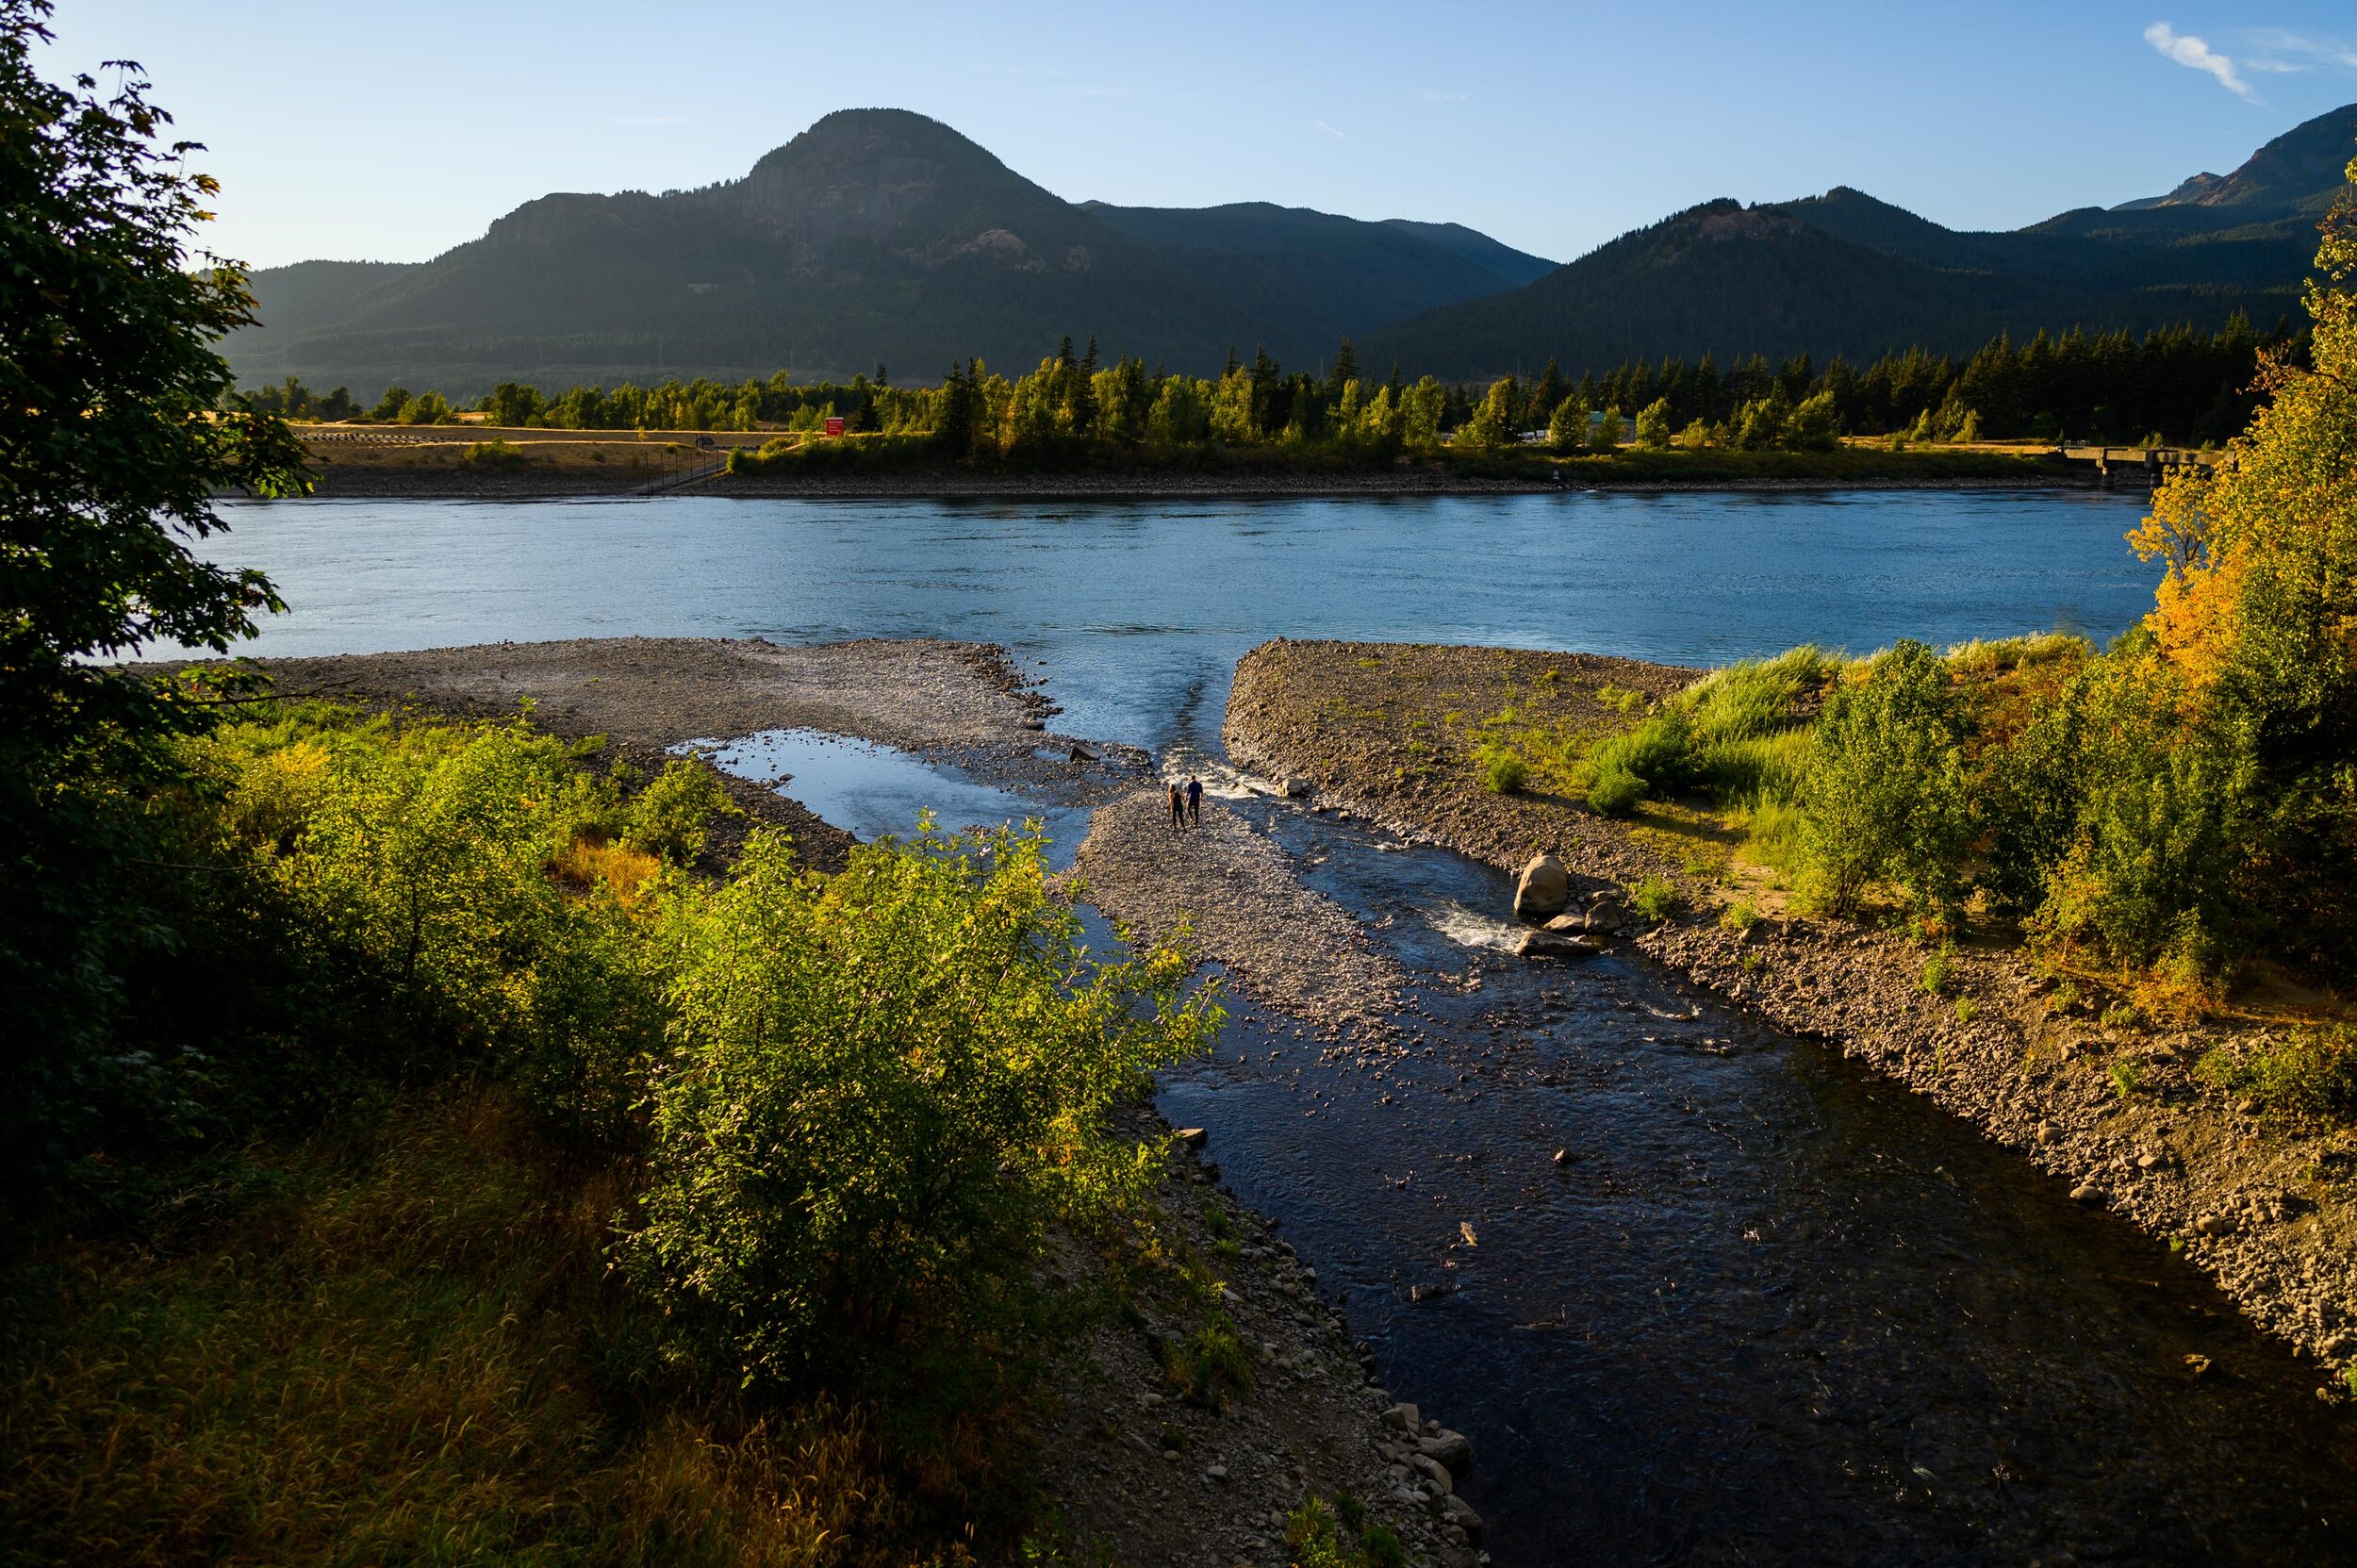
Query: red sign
x: 834, y: 424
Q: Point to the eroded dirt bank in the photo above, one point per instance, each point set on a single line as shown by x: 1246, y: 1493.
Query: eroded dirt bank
x: 2269, y: 1215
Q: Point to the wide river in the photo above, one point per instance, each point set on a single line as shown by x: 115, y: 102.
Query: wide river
x: 1771, y: 1309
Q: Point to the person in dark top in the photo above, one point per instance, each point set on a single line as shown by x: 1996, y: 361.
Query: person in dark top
x: 1195, y: 802
x: 1178, y: 806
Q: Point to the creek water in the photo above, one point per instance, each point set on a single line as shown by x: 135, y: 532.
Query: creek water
x: 1769, y: 1308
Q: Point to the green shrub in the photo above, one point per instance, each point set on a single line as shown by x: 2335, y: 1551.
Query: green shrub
x: 2150, y: 869
x: 1210, y: 1366
x: 2311, y: 1076
x: 1655, y: 898
x: 1620, y: 698
x: 2124, y: 1076
x: 670, y: 818
x: 882, y: 1084
x: 1884, y: 798
x: 1502, y: 771
x: 498, y: 456
x: 1938, y: 970
x: 1309, y: 1537
x: 1616, y: 792
x: 1655, y: 751
x: 1740, y: 916
x: 1966, y: 1009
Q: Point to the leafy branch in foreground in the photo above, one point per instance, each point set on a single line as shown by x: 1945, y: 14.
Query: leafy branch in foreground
x: 882, y: 1084
x: 117, y: 429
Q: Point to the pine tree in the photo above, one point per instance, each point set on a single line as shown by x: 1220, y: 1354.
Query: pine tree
x: 1345, y: 370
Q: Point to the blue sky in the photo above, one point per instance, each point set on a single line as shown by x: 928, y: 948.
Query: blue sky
x: 395, y: 131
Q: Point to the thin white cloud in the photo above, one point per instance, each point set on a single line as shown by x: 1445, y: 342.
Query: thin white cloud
x: 2309, y: 50
x: 1331, y: 131
x: 1428, y: 95
x: 2191, y: 52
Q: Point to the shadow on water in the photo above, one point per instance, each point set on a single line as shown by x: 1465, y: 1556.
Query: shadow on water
x: 1769, y: 1307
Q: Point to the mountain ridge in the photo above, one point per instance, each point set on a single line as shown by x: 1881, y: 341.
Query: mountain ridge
x: 875, y: 235
x: 1846, y: 273
x: 880, y: 236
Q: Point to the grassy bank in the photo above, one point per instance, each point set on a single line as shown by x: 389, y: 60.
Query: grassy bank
x: 404, y: 1342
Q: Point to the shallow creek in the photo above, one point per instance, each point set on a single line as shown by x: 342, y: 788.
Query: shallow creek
x: 1767, y: 1307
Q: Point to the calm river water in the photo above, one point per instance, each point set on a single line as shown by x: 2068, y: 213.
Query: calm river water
x: 1774, y: 1309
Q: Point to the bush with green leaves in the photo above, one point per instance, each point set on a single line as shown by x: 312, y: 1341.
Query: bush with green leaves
x: 464, y: 876
x: 1616, y: 792
x: 1884, y: 798
x: 1657, y: 897
x: 882, y: 1084
x: 1657, y: 750
x: 1502, y: 772
x: 671, y: 816
x: 2310, y: 1077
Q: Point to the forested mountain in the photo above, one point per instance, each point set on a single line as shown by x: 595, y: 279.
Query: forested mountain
x: 1843, y: 274
x: 875, y: 237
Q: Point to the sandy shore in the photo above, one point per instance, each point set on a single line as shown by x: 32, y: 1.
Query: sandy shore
x: 2269, y: 1215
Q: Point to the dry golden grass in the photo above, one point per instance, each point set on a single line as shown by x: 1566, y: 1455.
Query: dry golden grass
x: 412, y: 1353
x: 586, y: 865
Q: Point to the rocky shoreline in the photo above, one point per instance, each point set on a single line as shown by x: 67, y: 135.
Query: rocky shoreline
x: 1143, y: 1473
x: 2270, y: 1215
x: 445, y: 483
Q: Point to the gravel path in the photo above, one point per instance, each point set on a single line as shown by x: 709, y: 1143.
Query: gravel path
x: 1244, y: 909
x: 2271, y: 1214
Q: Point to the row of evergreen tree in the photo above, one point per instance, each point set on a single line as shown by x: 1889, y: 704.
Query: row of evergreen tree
x: 2178, y: 385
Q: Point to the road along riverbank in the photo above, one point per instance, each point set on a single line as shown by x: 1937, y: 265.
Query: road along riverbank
x: 2116, y: 1113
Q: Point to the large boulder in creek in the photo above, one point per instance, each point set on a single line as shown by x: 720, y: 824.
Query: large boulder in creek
x: 1542, y: 889
x: 1451, y: 1448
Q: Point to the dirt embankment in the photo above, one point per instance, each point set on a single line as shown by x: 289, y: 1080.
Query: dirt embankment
x: 441, y: 463
x: 2118, y: 1115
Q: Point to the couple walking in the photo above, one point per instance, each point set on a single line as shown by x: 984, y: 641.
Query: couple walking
x: 1186, y: 806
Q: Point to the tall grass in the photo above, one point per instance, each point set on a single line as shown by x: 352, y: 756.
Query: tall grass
x: 412, y: 1352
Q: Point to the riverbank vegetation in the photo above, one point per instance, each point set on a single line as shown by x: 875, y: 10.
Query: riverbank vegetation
x: 1682, y: 420
x: 2176, y: 815
x: 418, y: 1147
